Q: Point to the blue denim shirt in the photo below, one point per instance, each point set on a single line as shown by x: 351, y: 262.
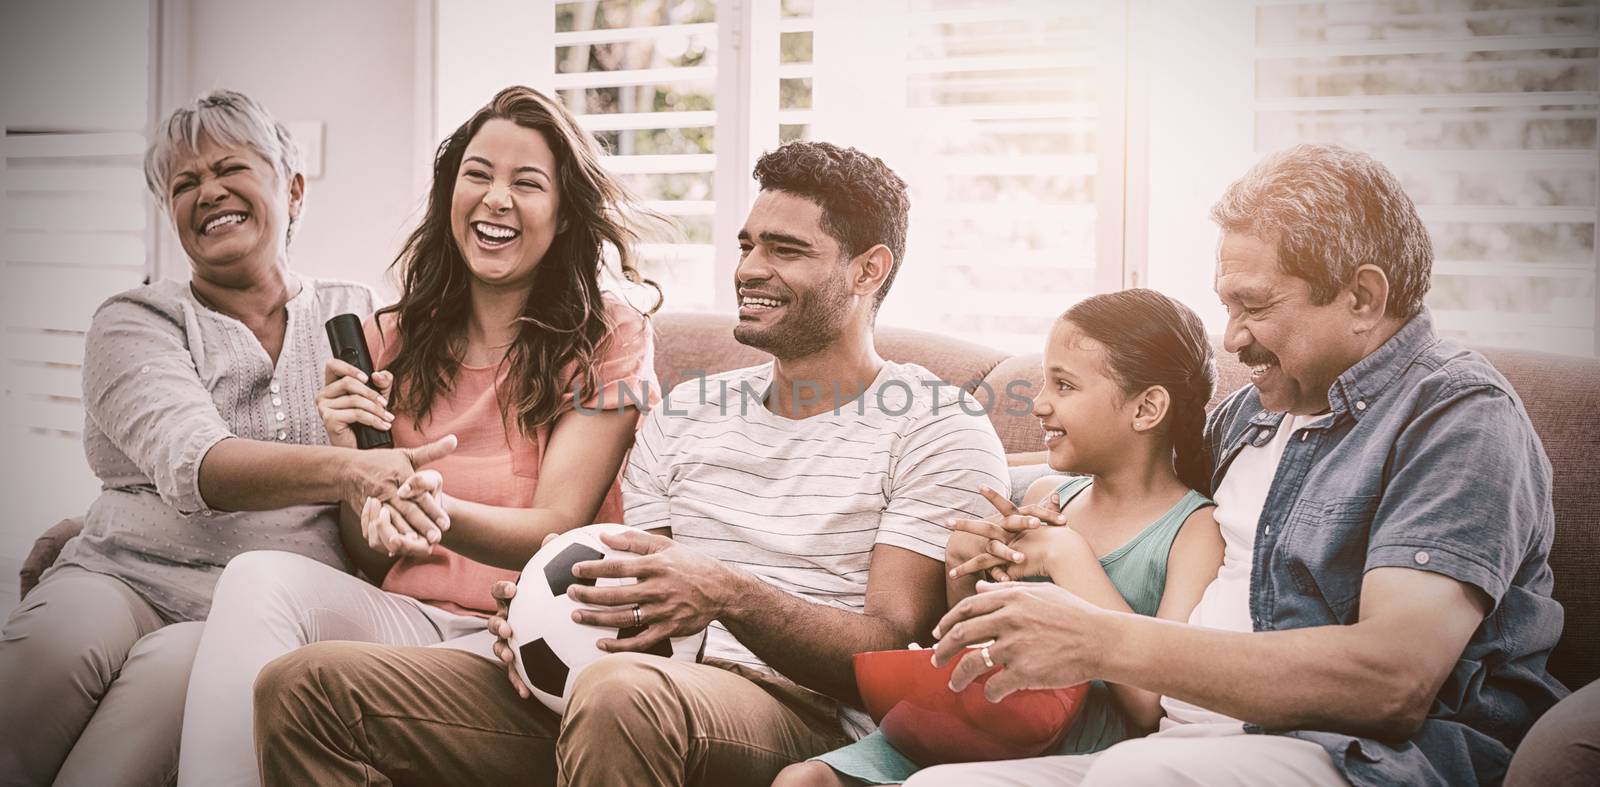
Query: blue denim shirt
x: 1429, y: 462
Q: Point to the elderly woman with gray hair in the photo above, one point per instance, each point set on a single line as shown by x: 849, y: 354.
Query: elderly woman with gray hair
x: 202, y: 426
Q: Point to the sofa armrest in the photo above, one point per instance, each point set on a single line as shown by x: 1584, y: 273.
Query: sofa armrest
x: 45, y: 550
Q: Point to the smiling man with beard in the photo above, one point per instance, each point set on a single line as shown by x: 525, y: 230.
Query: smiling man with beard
x: 798, y: 510
x: 1383, y: 607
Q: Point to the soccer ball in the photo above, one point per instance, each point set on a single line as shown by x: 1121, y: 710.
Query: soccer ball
x: 551, y: 648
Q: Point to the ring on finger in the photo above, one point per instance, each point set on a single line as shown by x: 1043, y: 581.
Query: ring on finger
x: 987, y: 661
x: 638, y: 618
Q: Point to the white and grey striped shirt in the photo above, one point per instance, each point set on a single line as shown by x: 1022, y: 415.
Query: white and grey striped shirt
x: 801, y: 504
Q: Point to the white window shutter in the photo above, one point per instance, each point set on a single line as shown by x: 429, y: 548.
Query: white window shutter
x: 75, y: 228
x: 1488, y: 114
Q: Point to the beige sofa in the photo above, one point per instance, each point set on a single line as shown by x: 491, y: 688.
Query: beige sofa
x: 1562, y: 395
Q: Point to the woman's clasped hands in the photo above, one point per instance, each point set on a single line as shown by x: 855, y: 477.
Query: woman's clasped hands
x: 402, y: 507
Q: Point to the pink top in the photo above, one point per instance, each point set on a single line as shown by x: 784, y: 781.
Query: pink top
x: 497, y: 465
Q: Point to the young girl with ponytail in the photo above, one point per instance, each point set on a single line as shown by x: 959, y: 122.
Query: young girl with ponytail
x: 1127, y: 376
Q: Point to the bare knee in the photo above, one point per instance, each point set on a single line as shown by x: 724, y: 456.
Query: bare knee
x: 810, y: 773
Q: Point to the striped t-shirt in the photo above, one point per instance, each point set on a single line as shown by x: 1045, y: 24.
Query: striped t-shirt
x: 801, y: 504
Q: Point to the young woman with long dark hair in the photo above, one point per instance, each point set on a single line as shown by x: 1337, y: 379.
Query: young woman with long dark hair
x: 502, y: 337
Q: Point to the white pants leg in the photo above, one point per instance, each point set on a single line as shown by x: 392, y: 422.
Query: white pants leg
x: 267, y: 604
x: 1194, y: 755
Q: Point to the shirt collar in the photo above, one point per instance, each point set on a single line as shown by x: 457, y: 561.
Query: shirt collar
x: 1361, y: 384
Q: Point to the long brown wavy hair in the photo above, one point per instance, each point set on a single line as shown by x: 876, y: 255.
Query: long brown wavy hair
x: 564, y: 321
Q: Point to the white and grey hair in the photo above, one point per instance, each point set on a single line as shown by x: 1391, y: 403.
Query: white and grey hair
x: 1332, y: 210
x: 226, y: 118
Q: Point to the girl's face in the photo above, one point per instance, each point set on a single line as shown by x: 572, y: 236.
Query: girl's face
x: 1085, y: 414
x: 503, y: 214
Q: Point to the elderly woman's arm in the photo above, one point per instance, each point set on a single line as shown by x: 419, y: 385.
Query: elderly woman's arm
x: 142, y: 390
x: 253, y: 475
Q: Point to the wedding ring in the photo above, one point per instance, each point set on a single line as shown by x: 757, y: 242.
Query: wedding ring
x: 638, y: 618
x: 984, y: 652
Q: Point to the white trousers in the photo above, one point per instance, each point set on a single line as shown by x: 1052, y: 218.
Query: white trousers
x: 265, y: 605
x: 1213, y: 755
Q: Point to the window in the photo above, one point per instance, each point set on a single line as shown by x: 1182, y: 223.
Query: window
x: 1486, y: 111
x: 996, y: 114
x: 642, y: 77
x: 1057, y: 149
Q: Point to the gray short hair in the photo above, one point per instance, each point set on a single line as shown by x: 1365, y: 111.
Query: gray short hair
x: 1331, y: 211
x: 227, y: 118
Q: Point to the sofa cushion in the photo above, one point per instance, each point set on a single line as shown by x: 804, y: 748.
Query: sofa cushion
x: 1562, y: 396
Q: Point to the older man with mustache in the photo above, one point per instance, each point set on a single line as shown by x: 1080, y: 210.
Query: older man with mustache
x: 1383, y: 613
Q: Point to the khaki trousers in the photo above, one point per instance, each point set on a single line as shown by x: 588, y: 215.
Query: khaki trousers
x: 91, y: 685
x: 348, y: 713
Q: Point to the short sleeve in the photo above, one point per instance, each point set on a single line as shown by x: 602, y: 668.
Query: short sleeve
x: 644, y: 485
x: 141, y: 388
x: 942, y: 462
x: 625, y: 375
x: 1469, y: 493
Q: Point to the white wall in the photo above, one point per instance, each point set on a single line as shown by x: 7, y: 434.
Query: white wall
x: 350, y: 66
x: 1191, y: 169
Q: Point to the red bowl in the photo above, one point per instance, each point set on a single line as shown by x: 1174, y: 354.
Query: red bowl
x: 912, y: 703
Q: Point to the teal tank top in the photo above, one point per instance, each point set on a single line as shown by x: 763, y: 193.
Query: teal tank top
x: 1138, y: 569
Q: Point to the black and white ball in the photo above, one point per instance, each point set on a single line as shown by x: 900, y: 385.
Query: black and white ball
x: 551, y: 648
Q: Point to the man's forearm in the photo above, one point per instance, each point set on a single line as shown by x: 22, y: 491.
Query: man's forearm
x: 1338, y: 678
x: 811, y: 644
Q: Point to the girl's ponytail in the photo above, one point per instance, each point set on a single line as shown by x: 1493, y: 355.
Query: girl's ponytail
x: 1191, y: 456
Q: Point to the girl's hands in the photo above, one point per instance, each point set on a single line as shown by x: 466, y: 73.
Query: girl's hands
x: 994, y: 546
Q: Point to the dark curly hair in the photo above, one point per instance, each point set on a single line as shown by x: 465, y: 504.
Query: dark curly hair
x: 564, y: 321
x: 863, y: 202
x: 1151, y: 340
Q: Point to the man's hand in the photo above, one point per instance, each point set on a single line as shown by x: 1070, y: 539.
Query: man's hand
x: 500, y: 627
x: 678, y: 593
x: 1041, y: 634
x: 989, y: 546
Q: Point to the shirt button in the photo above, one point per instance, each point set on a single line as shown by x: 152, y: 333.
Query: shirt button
x: 1361, y: 405
x: 283, y: 435
x: 144, y: 370
x: 1266, y: 531
x: 276, y: 402
x: 280, y: 416
x: 274, y: 388
x: 1421, y: 558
